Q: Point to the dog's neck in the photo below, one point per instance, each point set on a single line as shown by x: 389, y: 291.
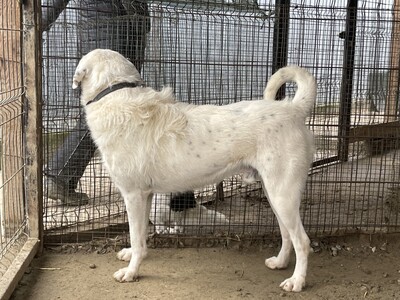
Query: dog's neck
x: 114, y: 88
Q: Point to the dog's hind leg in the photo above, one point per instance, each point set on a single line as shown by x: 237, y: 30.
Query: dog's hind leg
x: 284, y: 198
x: 138, y: 205
x: 282, y: 260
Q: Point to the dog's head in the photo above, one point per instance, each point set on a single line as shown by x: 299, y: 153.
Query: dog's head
x: 102, y: 68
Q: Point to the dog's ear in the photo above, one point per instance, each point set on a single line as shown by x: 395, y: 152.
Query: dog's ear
x: 78, y: 76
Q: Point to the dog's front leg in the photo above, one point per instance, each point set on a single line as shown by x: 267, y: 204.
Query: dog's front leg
x: 138, y: 205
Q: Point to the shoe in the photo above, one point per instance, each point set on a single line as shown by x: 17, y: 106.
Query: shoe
x: 68, y: 197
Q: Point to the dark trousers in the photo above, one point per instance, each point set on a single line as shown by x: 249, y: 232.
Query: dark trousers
x: 69, y: 161
x: 115, y: 30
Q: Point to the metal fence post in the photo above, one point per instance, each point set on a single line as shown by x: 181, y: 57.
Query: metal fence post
x: 347, y: 80
x: 280, y: 42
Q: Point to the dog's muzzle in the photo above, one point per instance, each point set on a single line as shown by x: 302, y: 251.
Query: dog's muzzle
x: 77, y: 92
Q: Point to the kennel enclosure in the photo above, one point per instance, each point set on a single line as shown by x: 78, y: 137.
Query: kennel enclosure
x: 218, y: 53
x: 209, y: 52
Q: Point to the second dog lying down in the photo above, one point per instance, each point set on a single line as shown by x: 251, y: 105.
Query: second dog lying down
x: 152, y: 144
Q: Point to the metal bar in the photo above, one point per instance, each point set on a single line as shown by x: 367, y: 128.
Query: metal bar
x: 392, y: 100
x: 281, y: 39
x: 324, y: 161
x: 347, y: 80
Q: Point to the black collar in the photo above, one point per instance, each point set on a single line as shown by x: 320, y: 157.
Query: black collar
x: 113, y: 88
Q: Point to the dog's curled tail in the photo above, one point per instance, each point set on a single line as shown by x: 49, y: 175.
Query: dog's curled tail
x: 306, y: 86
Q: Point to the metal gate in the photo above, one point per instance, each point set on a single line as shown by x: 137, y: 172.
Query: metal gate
x: 20, y: 166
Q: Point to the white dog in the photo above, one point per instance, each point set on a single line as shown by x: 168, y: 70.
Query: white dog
x: 152, y: 144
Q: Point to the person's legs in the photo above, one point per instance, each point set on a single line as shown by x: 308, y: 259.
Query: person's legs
x: 102, y: 24
x: 134, y: 30
x: 67, y: 165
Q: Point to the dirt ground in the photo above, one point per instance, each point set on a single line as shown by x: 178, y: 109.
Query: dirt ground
x: 355, y: 268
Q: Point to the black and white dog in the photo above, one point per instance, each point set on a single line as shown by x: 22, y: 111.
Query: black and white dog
x: 170, y: 213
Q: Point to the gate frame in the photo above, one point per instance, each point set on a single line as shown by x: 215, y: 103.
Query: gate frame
x: 32, y: 141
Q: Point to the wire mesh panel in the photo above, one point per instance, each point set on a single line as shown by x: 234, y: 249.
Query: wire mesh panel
x: 12, y: 215
x: 20, y: 176
x: 359, y: 193
x: 218, y: 53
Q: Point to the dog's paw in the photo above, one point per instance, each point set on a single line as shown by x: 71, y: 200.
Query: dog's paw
x: 275, y: 263
x: 293, y: 284
x: 168, y: 230
x: 161, y: 229
x: 125, y: 254
x: 176, y: 229
x: 124, y: 275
